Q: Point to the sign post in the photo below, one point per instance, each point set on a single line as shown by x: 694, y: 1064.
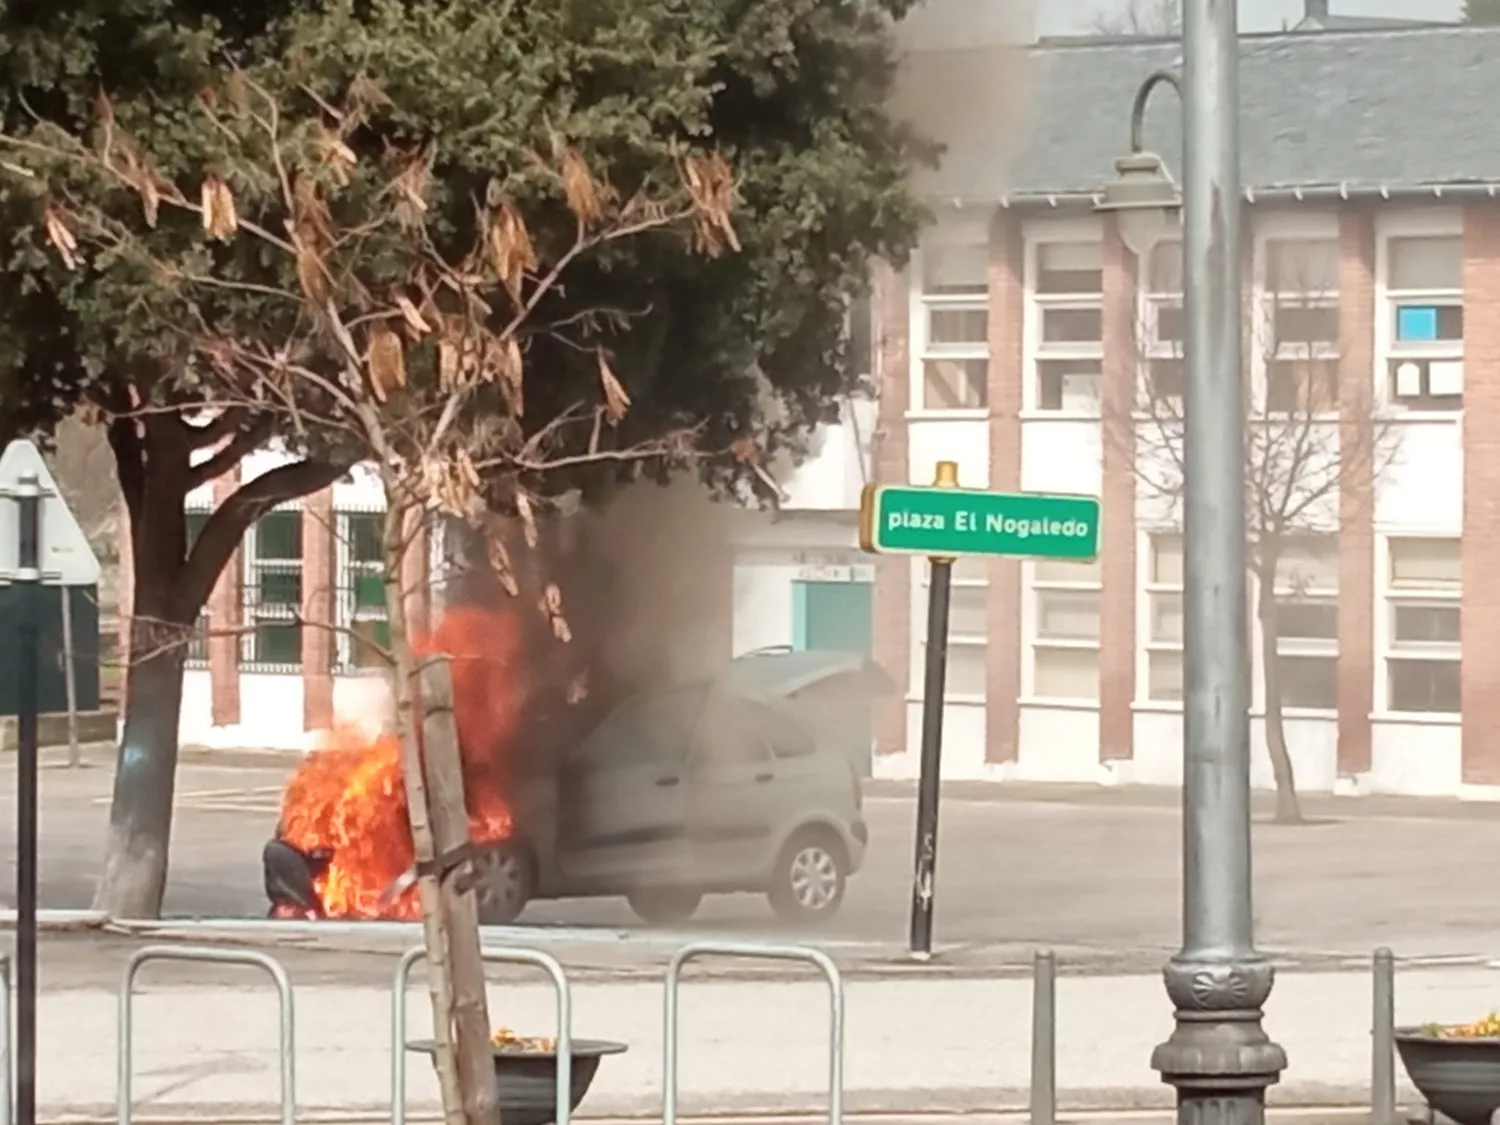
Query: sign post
x: 943, y: 521
x: 42, y: 545
x: 28, y: 575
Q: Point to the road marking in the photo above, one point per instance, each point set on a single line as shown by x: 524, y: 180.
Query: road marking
x: 252, y: 799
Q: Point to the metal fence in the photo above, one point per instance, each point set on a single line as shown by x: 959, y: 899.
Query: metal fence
x: 211, y: 956
x: 399, y: 1046
x: 755, y: 951
x: 1043, y: 1092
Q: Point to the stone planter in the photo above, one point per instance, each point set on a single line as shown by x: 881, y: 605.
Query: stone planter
x: 1459, y: 1078
x: 527, y: 1079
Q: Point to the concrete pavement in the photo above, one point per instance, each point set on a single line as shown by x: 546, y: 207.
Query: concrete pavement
x: 921, y: 1044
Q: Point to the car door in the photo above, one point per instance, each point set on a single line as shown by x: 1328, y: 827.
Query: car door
x: 623, y: 795
x: 732, y: 802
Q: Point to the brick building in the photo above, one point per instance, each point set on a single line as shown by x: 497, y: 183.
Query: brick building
x: 1369, y: 162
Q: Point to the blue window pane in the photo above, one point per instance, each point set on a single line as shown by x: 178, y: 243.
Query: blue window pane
x: 1417, y: 323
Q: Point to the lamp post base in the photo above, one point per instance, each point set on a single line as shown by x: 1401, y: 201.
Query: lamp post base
x: 1218, y: 1057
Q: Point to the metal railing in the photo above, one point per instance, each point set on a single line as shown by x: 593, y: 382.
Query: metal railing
x: 208, y: 956
x: 1044, y: 1038
x: 751, y: 951
x: 517, y: 956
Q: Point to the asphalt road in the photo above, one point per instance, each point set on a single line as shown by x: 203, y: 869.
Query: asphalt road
x: 1090, y: 868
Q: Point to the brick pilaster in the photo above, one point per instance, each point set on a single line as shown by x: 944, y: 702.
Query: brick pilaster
x: 1481, y: 530
x: 319, y: 575
x: 1117, y: 646
x: 1356, y: 673
x: 224, y: 619
x: 890, y: 456
x: 1003, y: 653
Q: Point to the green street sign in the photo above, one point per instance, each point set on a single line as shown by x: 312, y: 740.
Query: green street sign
x: 941, y: 521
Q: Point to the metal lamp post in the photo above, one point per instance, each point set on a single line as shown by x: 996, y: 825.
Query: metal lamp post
x: 1218, y: 1058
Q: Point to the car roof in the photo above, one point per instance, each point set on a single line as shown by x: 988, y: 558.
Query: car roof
x: 779, y: 673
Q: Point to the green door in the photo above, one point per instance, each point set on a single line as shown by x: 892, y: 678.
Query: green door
x: 837, y: 617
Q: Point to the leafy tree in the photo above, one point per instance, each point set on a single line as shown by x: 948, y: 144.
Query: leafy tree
x: 746, y: 350
x: 1482, y: 11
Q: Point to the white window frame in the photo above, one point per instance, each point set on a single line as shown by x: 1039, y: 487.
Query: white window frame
x: 1387, y: 648
x: 1146, y: 591
x: 253, y: 615
x: 1148, y: 311
x: 1287, y: 228
x: 1427, y: 223
x: 347, y: 611
x: 1036, y: 589
x: 969, y: 642
x: 1034, y: 350
x: 955, y: 229
x: 1326, y: 648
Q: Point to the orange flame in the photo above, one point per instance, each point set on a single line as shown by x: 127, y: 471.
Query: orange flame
x: 348, y: 799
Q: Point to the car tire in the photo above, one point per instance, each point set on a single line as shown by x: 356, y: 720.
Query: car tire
x: 811, y: 874
x: 665, y: 906
x: 505, y: 884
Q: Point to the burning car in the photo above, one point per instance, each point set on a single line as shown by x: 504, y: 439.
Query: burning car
x: 743, y: 782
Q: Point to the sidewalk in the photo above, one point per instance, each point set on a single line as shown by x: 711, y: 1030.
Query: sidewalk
x: 929, y: 1045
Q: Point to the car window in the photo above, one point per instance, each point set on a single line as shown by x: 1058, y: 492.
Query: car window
x: 729, y: 734
x: 784, y: 734
x: 649, y: 728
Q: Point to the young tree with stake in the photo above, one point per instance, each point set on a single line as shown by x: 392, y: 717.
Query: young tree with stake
x: 397, y: 344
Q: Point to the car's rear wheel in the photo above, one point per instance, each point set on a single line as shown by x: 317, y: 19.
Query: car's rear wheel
x: 811, y: 875
x: 506, y: 881
x: 665, y: 906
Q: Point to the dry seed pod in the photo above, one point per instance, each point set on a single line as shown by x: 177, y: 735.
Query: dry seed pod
x: 387, y: 363
x: 60, y: 234
x: 585, y: 198
x: 616, y: 400
x: 528, y: 518
x: 219, y: 218
x: 510, y: 248
x: 414, y: 319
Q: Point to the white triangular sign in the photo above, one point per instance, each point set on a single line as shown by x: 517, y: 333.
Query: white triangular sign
x: 66, y: 556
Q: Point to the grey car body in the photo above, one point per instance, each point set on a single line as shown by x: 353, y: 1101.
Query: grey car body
x: 725, y: 784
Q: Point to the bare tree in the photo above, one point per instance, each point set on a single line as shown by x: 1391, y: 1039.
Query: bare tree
x: 402, y: 348
x: 1140, y: 18
x: 1311, y: 451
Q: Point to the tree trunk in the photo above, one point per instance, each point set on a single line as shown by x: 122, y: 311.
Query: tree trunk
x: 450, y: 830
x: 140, y: 814
x: 1288, y: 805
x: 437, y: 928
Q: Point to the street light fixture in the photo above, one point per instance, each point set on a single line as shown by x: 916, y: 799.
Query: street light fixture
x: 1143, y: 197
x: 1218, y: 1058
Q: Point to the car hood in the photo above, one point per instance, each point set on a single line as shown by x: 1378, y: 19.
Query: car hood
x: 782, y: 674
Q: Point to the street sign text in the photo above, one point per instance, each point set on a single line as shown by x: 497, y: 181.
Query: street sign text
x: 910, y: 520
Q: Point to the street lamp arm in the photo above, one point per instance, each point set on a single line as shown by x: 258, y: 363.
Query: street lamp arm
x: 1142, y: 96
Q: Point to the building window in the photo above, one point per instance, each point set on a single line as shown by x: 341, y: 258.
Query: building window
x: 1422, y: 321
x: 1065, y: 320
x: 1422, y: 626
x: 1307, y: 622
x: 1163, y: 325
x: 197, y: 645
x: 1299, y: 330
x: 955, y: 350
x: 968, y: 630
x: 1064, y: 630
x: 364, y: 631
x: 272, y: 593
x: 1163, y: 626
